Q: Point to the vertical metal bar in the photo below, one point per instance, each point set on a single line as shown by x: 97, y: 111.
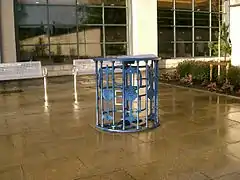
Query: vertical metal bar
x: 123, y: 95
x: 156, y: 90
x: 104, y: 33
x: 146, y: 98
x: 45, y: 84
x: 101, y: 100
x: 75, y: 87
x: 97, y: 97
x: 174, y: 30
x: 113, y: 93
x: 127, y: 25
x: 210, y: 25
x: 193, y: 29
x: 151, y: 85
x: 138, y: 98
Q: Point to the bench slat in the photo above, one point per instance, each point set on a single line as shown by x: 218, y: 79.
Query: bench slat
x: 21, y: 70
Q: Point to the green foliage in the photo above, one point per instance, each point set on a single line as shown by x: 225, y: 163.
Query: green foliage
x: 225, y: 45
x: 234, y: 76
x: 200, y: 70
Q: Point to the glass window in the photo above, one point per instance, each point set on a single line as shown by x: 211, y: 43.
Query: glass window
x: 201, y: 5
x: 184, y: 49
x: 89, y: 2
x: 186, y: 4
x: 215, y: 19
x: 115, y: 15
x: 201, y: 49
x: 89, y: 15
x: 201, y: 19
x: 165, y: 49
x: 115, y: 34
x: 116, y: 49
x: 215, y: 34
x: 62, y: 34
x: 32, y: 1
x: 114, y: 2
x: 91, y: 50
x: 183, y: 18
x: 165, y: 17
x: 184, y: 34
x: 31, y: 14
x: 90, y: 34
x: 165, y: 34
x: 202, y: 34
x: 32, y: 35
x: 215, y: 5
x: 62, y: 2
x: 165, y: 4
x: 63, y: 53
x: 35, y: 53
x: 62, y: 15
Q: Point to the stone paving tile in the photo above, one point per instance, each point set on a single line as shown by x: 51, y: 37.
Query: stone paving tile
x: 198, y: 138
x: 233, y: 176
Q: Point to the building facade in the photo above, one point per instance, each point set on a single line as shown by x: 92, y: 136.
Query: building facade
x: 57, y: 31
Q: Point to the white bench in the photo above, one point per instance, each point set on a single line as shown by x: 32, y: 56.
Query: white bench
x: 24, y: 70
x: 85, y: 67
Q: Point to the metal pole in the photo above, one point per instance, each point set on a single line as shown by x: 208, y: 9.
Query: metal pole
x: 138, y: 100
x: 101, y: 86
x: 123, y: 95
x: 45, y: 72
x: 219, y: 40
x: 75, y: 72
x: 113, y: 99
x: 174, y: 30
x: 97, y: 98
x: 156, y: 90
x: 146, y: 97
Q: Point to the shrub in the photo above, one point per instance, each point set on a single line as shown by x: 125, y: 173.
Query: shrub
x: 234, y: 76
x: 200, y: 71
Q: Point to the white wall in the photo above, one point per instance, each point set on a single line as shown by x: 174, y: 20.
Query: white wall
x: 8, y: 44
x: 143, y: 22
x: 235, y: 31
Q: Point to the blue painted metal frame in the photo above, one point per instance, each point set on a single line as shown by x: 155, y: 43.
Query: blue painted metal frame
x: 131, y: 117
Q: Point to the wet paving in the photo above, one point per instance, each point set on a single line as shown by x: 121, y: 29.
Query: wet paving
x: 199, y: 138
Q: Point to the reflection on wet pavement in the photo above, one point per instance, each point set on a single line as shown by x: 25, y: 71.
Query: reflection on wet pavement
x: 199, y: 138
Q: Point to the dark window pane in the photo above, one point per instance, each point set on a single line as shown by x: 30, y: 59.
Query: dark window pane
x: 114, y: 2
x: 90, y: 34
x: 215, y: 34
x: 115, y: 15
x: 62, y: 2
x: 202, y: 34
x: 202, y: 5
x: 186, y: 4
x: 165, y: 49
x: 165, y: 17
x: 89, y: 15
x: 89, y: 2
x: 116, y: 49
x: 201, y: 19
x: 90, y: 50
x: 62, y: 53
x: 62, y: 34
x: 30, y: 35
x: 35, y: 53
x: 183, y: 18
x: 165, y: 34
x: 201, y: 49
x: 62, y: 15
x: 184, y: 49
x: 165, y: 4
x: 115, y: 34
x: 184, y: 34
x: 215, y: 19
x: 31, y: 14
x: 32, y: 1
